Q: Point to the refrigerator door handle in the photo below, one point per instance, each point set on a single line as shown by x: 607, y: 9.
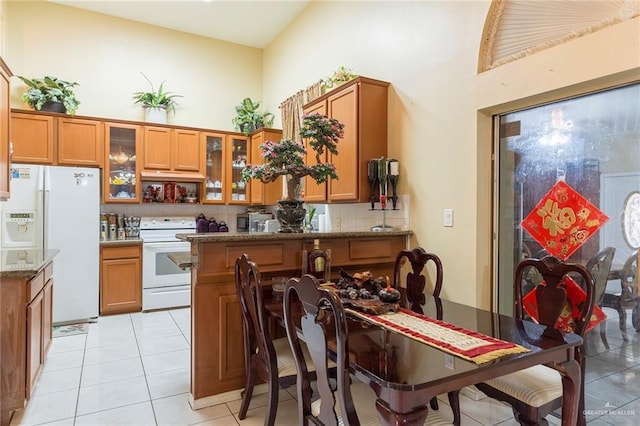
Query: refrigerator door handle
x: 45, y: 184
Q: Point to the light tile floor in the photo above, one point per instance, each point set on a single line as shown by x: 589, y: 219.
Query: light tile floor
x: 133, y: 369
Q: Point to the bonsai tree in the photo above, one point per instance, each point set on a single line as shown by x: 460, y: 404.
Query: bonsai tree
x: 249, y: 119
x: 156, y: 99
x: 44, y: 91
x: 287, y: 157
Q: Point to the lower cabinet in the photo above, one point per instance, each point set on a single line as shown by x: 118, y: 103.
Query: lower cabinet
x: 26, y: 334
x: 217, y: 335
x: 120, y: 279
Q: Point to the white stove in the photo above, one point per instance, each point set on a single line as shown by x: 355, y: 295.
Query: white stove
x: 164, y: 284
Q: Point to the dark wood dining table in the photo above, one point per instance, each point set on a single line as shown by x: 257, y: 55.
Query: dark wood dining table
x: 406, y: 374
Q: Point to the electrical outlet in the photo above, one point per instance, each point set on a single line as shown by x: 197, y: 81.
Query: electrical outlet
x: 338, y: 224
x: 448, y: 361
x: 448, y: 217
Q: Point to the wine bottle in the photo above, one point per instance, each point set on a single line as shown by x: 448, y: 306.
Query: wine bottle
x: 317, y: 261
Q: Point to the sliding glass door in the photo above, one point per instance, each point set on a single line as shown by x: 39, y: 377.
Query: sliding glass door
x: 592, y: 143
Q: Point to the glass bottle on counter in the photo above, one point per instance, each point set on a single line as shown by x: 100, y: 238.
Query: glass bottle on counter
x: 317, y: 261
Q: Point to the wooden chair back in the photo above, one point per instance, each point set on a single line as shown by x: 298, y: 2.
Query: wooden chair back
x: 258, y: 346
x: 415, y: 279
x: 599, y: 266
x: 552, y: 297
x: 322, y: 317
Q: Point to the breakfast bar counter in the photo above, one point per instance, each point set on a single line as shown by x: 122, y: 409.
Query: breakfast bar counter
x: 217, y: 360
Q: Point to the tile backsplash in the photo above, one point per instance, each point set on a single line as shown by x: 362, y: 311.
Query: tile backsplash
x: 339, y: 217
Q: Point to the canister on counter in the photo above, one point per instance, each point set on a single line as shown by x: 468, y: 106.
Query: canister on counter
x: 104, y: 230
x: 113, y: 231
x: 121, y: 234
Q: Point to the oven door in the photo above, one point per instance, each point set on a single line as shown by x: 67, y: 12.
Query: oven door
x: 160, y: 271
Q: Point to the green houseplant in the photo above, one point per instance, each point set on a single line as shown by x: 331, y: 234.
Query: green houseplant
x: 249, y: 119
x: 48, y: 93
x: 159, y: 100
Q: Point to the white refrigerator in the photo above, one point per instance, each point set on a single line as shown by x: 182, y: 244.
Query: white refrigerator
x: 55, y: 207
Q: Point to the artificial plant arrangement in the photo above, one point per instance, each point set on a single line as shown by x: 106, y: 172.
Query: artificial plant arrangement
x: 341, y: 75
x: 286, y: 158
x: 156, y: 99
x: 248, y: 119
x: 43, y: 92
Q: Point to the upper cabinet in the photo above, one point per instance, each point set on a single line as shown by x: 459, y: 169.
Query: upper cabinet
x: 121, y: 171
x: 32, y: 137
x: 313, y: 192
x: 5, y: 148
x: 361, y: 105
x: 264, y: 193
x: 58, y: 140
x: 215, y: 167
x: 80, y: 142
x: 238, y: 156
x: 170, y: 149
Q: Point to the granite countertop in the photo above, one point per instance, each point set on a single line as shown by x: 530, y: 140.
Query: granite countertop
x: 132, y: 240
x: 24, y: 263
x: 274, y: 236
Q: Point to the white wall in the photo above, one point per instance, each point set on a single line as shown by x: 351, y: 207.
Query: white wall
x: 106, y: 55
x: 440, y: 108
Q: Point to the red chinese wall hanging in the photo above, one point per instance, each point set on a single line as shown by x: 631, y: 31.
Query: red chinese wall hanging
x: 563, y: 220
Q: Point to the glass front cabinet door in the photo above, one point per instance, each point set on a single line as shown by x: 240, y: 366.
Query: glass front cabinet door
x: 239, y: 151
x: 121, y: 165
x: 214, y: 191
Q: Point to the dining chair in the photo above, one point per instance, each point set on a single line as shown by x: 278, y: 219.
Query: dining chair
x: 322, y: 324
x: 415, y: 280
x: 535, y: 392
x: 266, y: 359
x: 627, y: 298
x: 599, y: 266
x: 415, y: 283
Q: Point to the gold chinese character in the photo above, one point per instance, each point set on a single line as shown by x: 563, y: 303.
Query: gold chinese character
x: 556, y: 219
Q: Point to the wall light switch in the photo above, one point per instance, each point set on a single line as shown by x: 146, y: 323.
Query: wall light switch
x: 448, y: 217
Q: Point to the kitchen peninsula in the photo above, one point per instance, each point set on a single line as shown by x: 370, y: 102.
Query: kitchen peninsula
x: 26, y: 296
x: 217, y: 361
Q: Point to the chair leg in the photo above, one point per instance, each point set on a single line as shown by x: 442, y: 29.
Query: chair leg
x: 247, y: 393
x: 272, y: 409
x: 454, y: 401
x: 603, y: 334
x: 623, y: 323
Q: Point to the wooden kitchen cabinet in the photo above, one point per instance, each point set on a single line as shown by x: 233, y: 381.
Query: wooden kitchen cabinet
x: 215, y: 165
x: 56, y: 139
x: 121, y: 181
x: 5, y: 132
x: 26, y: 334
x: 170, y: 149
x: 39, y: 325
x: 237, y: 158
x: 80, y: 142
x: 264, y: 193
x: 120, y: 278
x: 361, y: 105
x: 217, y: 360
x: 33, y: 138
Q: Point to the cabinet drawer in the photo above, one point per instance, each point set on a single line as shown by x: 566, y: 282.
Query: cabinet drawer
x: 120, y: 252
x: 35, y: 285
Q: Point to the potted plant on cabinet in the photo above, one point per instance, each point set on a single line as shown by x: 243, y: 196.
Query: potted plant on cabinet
x: 50, y: 94
x: 287, y: 158
x: 156, y: 103
x: 249, y: 119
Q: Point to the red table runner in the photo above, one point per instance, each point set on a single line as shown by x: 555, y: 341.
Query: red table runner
x: 466, y: 344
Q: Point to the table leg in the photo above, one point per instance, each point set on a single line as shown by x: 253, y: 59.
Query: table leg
x: 571, y: 391
x: 389, y: 417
